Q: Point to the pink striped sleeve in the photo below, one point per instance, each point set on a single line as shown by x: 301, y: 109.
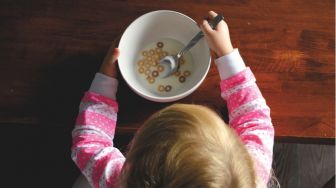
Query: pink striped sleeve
x: 250, y: 118
x: 92, y: 148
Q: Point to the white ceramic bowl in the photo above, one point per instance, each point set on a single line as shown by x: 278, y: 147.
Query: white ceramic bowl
x: 152, y: 27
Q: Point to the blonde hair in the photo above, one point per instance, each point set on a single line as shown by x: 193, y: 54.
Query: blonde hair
x: 189, y: 146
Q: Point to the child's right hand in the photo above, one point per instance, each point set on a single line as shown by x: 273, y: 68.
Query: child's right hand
x: 218, y: 39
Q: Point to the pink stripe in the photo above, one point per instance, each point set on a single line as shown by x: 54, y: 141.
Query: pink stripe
x: 251, y: 138
x: 95, y: 97
x: 112, y: 180
x: 239, y: 78
x: 99, y: 168
x: 246, y: 117
x: 243, y: 96
x: 251, y: 127
x: 85, y: 154
x: 102, y: 122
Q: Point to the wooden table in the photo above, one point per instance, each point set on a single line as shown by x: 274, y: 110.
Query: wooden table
x: 50, y: 51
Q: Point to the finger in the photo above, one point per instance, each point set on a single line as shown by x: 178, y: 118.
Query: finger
x: 212, y: 14
x: 112, y: 56
x: 206, y: 28
x: 115, y: 55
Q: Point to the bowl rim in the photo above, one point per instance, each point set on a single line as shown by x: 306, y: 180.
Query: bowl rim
x: 164, y: 98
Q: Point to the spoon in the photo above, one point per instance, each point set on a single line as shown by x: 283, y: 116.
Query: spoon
x: 171, y: 63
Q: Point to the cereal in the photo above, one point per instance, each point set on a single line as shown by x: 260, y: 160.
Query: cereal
x: 147, y: 72
x: 151, y: 80
x: 168, y: 88
x: 141, y: 63
x: 156, y: 56
x: 177, y: 73
x: 182, y: 79
x: 186, y: 73
x: 147, y: 65
x: 155, y: 73
x: 159, y: 44
x: 181, y: 61
x: 148, y: 58
x: 165, y: 53
x: 160, y: 68
x: 150, y: 69
x: 161, y: 88
x: 141, y: 70
x: 153, y: 63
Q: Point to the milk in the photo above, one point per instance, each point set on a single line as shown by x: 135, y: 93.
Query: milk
x: 171, y: 46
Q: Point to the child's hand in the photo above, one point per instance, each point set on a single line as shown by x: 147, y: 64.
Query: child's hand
x: 218, y: 39
x: 109, y: 66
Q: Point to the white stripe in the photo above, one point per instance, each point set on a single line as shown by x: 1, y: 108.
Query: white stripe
x: 260, y: 156
x: 110, y: 170
x: 75, y: 151
x: 100, y: 108
x: 258, y: 103
x: 229, y: 92
x: 91, y: 130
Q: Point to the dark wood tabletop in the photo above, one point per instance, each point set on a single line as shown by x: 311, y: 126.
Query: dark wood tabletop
x: 50, y: 51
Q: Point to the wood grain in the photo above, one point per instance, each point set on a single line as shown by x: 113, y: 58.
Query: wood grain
x: 50, y: 50
x: 304, y: 165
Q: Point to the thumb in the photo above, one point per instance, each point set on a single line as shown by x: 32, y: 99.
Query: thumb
x: 115, y: 55
x: 112, y: 56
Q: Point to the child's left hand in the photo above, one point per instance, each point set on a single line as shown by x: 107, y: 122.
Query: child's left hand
x: 109, y: 66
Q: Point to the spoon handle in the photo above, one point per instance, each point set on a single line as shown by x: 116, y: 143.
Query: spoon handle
x: 200, y: 35
x: 193, y: 41
x: 216, y: 20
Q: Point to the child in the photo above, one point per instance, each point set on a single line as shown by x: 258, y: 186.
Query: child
x: 182, y: 145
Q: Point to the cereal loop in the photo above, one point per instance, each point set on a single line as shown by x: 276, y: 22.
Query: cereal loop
x: 148, y: 58
x: 141, y: 70
x: 141, y: 63
x: 155, y: 73
x: 151, y: 80
x: 177, y: 73
x: 147, y: 65
x: 160, y: 68
x: 186, y: 73
x: 182, y: 79
x: 159, y: 44
x: 168, y: 88
x: 147, y: 72
x: 155, y: 57
x: 161, y: 88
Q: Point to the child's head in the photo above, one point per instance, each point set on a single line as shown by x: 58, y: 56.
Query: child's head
x: 187, y: 146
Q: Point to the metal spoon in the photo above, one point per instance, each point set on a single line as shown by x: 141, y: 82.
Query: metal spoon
x: 171, y: 63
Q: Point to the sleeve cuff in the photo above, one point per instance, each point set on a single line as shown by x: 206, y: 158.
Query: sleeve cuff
x: 230, y: 64
x: 104, y: 85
